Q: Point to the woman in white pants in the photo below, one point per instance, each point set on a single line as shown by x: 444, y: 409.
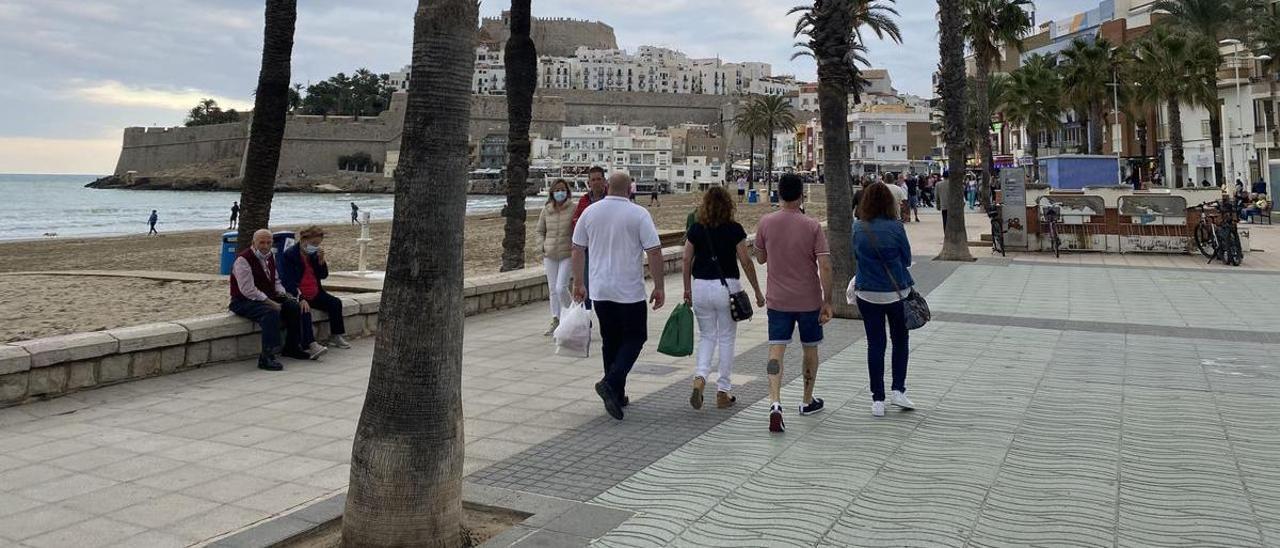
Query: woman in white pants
x: 714, y: 247
x: 555, y: 231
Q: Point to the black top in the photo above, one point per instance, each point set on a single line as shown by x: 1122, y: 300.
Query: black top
x: 725, y: 238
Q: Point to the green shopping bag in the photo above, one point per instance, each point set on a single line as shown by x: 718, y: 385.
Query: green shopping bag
x: 677, y: 336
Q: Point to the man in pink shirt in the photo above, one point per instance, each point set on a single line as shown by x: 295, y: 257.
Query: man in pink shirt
x: 798, y: 293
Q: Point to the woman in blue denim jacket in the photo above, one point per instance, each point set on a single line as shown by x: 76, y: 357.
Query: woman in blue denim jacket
x: 883, y: 255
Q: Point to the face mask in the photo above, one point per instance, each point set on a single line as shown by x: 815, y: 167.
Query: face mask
x: 311, y: 249
x: 559, y: 195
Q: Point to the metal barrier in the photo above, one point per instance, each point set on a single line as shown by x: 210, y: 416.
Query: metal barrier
x: 1082, y: 223
x: 1153, y: 224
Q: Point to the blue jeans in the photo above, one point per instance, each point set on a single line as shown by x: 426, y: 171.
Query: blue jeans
x: 297, y: 326
x: 623, y: 332
x: 873, y: 320
x: 783, y: 324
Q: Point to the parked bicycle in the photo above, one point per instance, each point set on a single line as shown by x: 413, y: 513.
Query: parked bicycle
x: 1051, y: 220
x: 1217, y: 235
x: 997, y: 229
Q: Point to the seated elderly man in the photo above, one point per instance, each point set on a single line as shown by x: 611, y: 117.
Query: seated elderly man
x: 256, y: 294
x: 301, y: 269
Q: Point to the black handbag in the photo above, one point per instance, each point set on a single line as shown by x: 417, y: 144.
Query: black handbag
x: 739, y: 303
x: 916, y: 308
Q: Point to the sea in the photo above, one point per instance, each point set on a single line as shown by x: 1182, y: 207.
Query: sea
x: 59, y: 206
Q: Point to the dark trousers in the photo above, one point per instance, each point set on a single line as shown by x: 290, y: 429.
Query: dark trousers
x: 873, y: 319
x: 333, y: 307
x: 944, y: 219
x: 289, y: 316
x: 623, y: 332
x: 586, y: 277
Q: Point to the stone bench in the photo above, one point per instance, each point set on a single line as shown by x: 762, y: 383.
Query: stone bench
x: 52, y: 366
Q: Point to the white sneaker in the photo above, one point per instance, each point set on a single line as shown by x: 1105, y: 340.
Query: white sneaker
x: 338, y: 341
x: 899, y: 399
x: 877, y: 409
x: 315, y: 350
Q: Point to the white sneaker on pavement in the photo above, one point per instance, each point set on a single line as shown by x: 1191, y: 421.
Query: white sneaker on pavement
x: 315, y: 350
x: 900, y: 399
x: 877, y: 409
x: 338, y: 341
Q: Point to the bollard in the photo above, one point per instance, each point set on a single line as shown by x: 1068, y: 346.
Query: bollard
x: 363, y: 242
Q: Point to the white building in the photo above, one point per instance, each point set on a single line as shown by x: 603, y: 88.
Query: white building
x: 643, y: 153
x: 878, y: 136
x: 490, y: 76
x: 583, y: 147
x: 693, y: 173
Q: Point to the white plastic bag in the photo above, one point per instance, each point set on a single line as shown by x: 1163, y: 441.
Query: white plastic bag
x: 850, y: 294
x: 573, y: 336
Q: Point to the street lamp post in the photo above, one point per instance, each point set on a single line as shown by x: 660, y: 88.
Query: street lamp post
x: 1115, y: 120
x: 1244, y: 156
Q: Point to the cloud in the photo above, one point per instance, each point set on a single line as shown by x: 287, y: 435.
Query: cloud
x: 111, y: 92
x: 39, y: 155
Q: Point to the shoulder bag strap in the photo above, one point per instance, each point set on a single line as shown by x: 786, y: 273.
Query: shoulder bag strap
x: 896, y: 288
x: 714, y: 260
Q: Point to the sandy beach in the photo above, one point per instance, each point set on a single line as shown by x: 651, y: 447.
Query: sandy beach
x: 37, y: 306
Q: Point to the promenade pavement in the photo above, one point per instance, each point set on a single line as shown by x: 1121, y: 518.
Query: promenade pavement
x: 1089, y: 404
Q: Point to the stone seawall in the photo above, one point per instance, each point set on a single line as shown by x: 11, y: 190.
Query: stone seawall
x: 53, y: 366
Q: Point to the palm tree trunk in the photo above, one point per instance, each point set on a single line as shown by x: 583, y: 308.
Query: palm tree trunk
x: 406, y: 463
x: 834, y: 81
x: 751, y: 166
x: 1175, y: 140
x: 768, y: 166
x: 1095, y: 129
x: 1215, y: 134
x: 1035, y: 157
x: 522, y: 77
x: 955, y: 244
x: 266, y: 131
x: 983, y: 95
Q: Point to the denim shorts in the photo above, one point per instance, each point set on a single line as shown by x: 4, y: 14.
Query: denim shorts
x: 783, y: 324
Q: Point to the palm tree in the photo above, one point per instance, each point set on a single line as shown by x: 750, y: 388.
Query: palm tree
x: 749, y: 123
x: 835, y: 40
x: 1087, y: 69
x: 1174, y: 66
x: 266, y: 131
x: 1209, y: 20
x: 522, y: 77
x: 986, y: 26
x: 1033, y: 99
x: 768, y: 114
x: 978, y: 124
x: 406, y: 462
x: 951, y: 88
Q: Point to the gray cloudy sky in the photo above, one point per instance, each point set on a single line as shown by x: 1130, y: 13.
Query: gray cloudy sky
x: 76, y: 72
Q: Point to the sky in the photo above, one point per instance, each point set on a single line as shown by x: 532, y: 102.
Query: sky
x: 77, y: 72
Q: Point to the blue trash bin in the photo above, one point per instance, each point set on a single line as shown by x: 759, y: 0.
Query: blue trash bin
x: 753, y: 196
x: 228, y: 252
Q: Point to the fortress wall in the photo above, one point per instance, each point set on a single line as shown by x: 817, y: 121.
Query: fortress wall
x: 147, y: 150
x: 554, y: 36
x: 659, y: 109
x: 489, y: 116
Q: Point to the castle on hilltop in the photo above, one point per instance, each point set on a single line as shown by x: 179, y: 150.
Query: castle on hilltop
x: 555, y: 36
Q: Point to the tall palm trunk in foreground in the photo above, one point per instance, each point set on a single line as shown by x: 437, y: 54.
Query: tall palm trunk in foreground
x: 266, y: 131
x: 955, y: 245
x: 522, y: 77
x: 406, y: 463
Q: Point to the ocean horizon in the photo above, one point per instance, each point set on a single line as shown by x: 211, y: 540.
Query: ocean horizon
x: 38, y: 206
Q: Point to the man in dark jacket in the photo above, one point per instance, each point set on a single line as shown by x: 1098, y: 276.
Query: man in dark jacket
x: 301, y: 269
x: 256, y: 294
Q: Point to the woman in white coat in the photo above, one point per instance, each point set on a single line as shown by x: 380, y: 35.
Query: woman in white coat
x: 555, y: 232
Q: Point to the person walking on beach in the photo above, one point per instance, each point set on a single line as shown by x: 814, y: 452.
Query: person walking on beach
x: 235, y: 215
x: 715, y: 246
x: 151, y: 221
x: 883, y: 255
x: 596, y: 191
x: 355, y: 213
x: 798, y: 292
x: 619, y: 234
x: 653, y: 196
x: 302, y: 267
x: 555, y: 232
x: 256, y: 294
x: 742, y: 188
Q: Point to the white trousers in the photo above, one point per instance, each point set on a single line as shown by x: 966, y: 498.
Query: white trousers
x: 558, y: 282
x: 716, y: 327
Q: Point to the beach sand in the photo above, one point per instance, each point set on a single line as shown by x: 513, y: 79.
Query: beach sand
x: 37, y: 306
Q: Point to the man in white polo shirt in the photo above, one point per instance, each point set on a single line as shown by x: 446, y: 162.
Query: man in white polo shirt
x: 618, y: 234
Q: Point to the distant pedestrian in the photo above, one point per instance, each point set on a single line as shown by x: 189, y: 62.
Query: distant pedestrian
x: 235, y: 215
x: 942, y: 189
x: 913, y: 197
x: 619, y: 235
x: 883, y: 254
x: 355, y: 213
x: 555, y: 232
x: 899, y: 197
x: 971, y: 192
x: 798, y: 291
x: 653, y: 196
x: 633, y: 191
x: 715, y: 246
x: 152, y: 220
x: 742, y: 188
